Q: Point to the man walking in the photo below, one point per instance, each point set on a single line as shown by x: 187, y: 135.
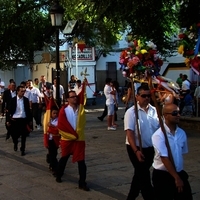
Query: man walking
x: 110, y: 103
x: 71, y: 125
x: 7, y: 96
x: 36, y: 98
x: 141, y: 159
x: 169, y: 179
x: 18, y: 117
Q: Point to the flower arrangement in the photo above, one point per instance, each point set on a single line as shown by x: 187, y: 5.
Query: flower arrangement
x: 189, y: 46
x: 139, y: 58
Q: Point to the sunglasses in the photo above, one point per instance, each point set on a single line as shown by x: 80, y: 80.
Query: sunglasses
x: 174, y: 113
x: 145, y: 96
x: 73, y: 97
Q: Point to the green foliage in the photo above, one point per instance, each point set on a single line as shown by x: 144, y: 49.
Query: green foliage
x: 21, y: 30
x: 100, y: 23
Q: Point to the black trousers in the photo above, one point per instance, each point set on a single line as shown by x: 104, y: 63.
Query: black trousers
x: 81, y: 168
x: 141, y: 179
x: 165, y: 188
x: 53, y: 152
x: 18, y: 129
x: 36, y: 111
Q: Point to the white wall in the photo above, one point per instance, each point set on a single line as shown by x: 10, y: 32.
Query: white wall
x: 6, y: 76
x: 111, y: 57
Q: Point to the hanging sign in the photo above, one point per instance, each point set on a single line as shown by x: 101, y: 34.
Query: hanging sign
x: 86, y: 54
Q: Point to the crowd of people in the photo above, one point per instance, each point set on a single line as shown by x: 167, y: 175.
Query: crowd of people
x: 146, y: 139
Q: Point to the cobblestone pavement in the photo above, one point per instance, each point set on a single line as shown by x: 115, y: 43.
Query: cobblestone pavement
x: 109, y: 171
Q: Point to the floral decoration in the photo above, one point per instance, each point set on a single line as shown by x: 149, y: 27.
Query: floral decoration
x: 189, y: 46
x: 140, y: 57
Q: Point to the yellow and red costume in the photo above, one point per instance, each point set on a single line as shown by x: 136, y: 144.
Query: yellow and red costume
x: 73, y: 141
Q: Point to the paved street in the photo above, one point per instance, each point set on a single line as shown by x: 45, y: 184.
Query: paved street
x: 109, y: 171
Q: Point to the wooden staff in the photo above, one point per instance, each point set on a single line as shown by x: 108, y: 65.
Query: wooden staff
x: 160, y: 120
x: 136, y: 114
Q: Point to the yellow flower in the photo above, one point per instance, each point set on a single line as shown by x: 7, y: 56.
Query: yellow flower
x: 181, y: 49
x: 143, y: 51
x: 187, y: 62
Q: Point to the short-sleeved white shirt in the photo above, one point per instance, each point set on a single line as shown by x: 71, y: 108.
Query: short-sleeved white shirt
x: 109, y: 97
x: 35, y: 94
x: 61, y: 91
x: 185, y: 85
x: 28, y: 95
x: 148, y: 123
x: 178, y: 146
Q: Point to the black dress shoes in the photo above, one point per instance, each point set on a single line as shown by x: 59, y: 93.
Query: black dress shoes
x: 84, y: 187
x: 7, y: 136
x: 100, y: 118
x: 58, y: 180
x: 23, y: 153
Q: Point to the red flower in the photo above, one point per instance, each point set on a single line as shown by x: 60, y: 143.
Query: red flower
x: 182, y: 35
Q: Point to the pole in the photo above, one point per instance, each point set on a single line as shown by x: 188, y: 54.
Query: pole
x: 76, y: 45
x: 160, y: 120
x: 197, y: 98
x: 58, y: 100
x: 136, y: 115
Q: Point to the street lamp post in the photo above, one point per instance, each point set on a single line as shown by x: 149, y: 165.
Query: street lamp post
x: 56, y: 13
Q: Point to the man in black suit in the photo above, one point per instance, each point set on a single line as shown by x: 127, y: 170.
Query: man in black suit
x: 7, y: 96
x: 18, y: 118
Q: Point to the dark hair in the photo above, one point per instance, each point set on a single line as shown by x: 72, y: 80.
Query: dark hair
x: 36, y: 79
x: 185, y: 76
x: 78, y: 81
x: 142, y: 87
x: 67, y: 94
x: 23, y: 83
x: 108, y: 80
x: 116, y: 85
x: 54, y: 108
x: 18, y: 88
x: 11, y: 80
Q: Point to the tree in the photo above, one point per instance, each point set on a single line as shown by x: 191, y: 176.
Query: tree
x: 21, y: 30
x: 25, y: 24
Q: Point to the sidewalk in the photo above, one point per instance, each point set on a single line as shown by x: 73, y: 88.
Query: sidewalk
x: 109, y: 171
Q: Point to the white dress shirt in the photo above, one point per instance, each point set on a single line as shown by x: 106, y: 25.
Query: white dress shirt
x: 178, y: 146
x: 71, y: 116
x: 148, y: 123
x: 20, y: 111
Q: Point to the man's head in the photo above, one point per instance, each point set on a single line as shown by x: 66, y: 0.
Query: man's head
x: 23, y: 84
x: 78, y: 82
x: 36, y: 81
x: 171, y: 114
x: 30, y: 83
x: 180, y: 75
x: 108, y: 80
x: 184, y: 77
x: 12, y: 86
x: 20, y: 91
x: 11, y: 80
x: 55, y: 81
x: 143, y: 95
x: 72, y: 98
x: 43, y: 79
